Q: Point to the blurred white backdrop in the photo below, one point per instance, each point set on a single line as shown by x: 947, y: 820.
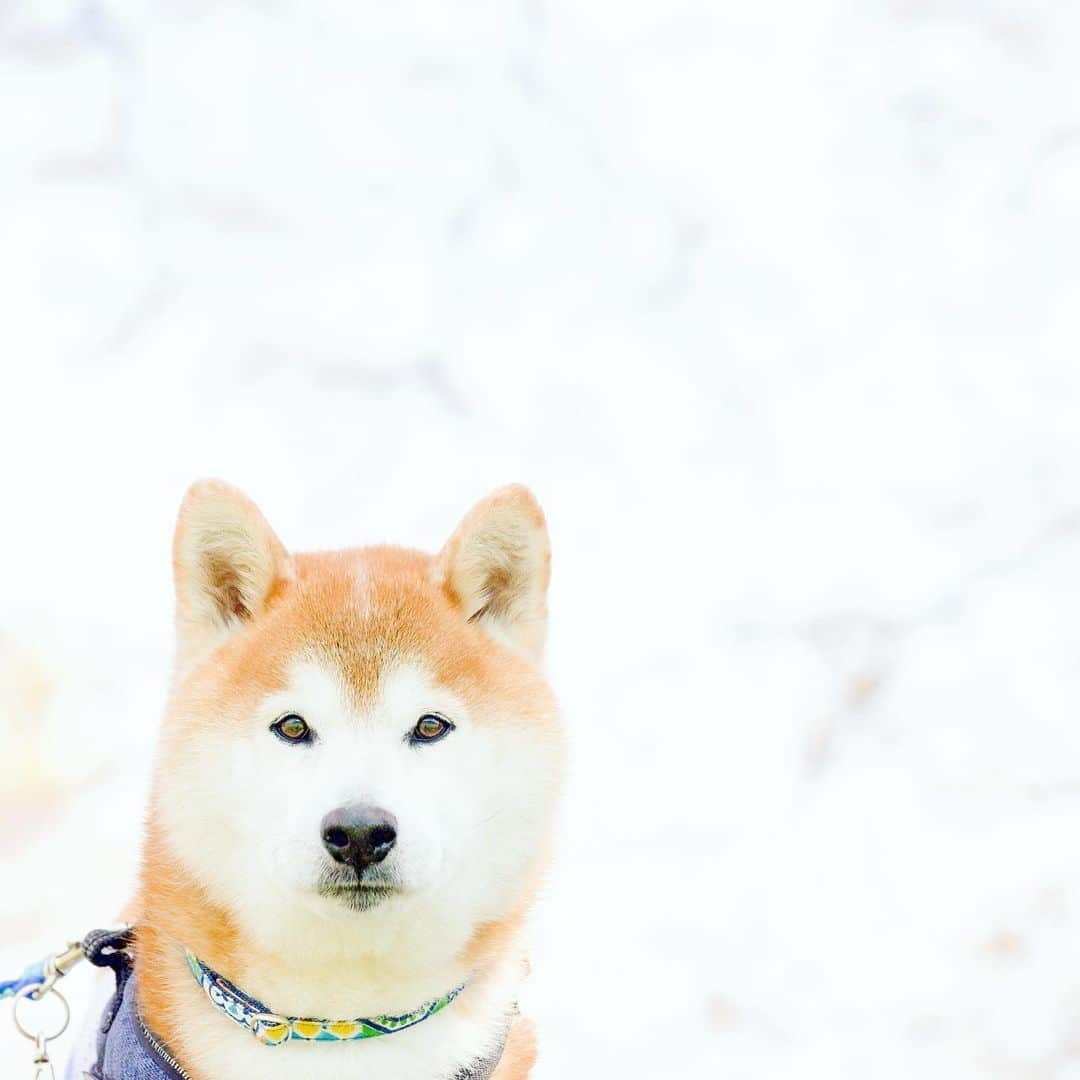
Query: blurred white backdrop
x: 775, y: 307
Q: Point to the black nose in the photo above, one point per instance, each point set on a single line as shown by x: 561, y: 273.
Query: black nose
x: 359, y: 835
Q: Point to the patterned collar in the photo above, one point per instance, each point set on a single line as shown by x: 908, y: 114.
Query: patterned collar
x: 273, y: 1030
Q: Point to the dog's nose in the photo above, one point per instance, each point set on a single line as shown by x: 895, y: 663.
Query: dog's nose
x: 359, y: 835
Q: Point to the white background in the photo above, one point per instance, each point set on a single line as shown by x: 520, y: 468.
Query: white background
x: 773, y: 304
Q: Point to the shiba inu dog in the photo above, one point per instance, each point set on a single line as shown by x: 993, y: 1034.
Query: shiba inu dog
x: 353, y: 800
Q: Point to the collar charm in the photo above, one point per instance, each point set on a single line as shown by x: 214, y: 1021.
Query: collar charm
x: 273, y: 1030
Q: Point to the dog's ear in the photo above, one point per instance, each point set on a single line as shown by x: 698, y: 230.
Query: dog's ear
x: 495, y: 568
x: 226, y: 563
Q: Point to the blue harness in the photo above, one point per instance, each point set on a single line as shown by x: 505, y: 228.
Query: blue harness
x: 126, y: 1048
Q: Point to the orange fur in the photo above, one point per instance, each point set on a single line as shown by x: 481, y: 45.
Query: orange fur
x: 520, y: 1054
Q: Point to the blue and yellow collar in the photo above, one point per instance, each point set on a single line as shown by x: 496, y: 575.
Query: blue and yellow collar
x: 273, y: 1030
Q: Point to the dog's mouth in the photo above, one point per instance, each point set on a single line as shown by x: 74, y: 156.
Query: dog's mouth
x: 356, y: 892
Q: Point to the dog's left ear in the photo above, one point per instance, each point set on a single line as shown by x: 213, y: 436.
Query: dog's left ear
x: 495, y: 568
x: 227, y: 562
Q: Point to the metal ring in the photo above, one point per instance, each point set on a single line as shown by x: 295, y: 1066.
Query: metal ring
x: 29, y: 992
x: 258, y: 1021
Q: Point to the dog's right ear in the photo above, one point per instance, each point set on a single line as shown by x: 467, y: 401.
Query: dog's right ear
x: 226, y: 563
x: 495, y: 568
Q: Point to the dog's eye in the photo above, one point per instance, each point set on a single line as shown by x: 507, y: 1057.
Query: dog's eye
x: 292, y: 729
x: 430, y: 728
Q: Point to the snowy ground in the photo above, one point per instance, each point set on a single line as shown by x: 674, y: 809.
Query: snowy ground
x: 773, y: 304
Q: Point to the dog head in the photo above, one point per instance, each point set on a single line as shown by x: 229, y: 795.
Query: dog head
x: 361, y: 739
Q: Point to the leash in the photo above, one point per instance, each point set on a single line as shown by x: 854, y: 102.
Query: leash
x: 37, y: 985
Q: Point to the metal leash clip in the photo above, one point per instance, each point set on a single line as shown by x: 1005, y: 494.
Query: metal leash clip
x: 54, y: 969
